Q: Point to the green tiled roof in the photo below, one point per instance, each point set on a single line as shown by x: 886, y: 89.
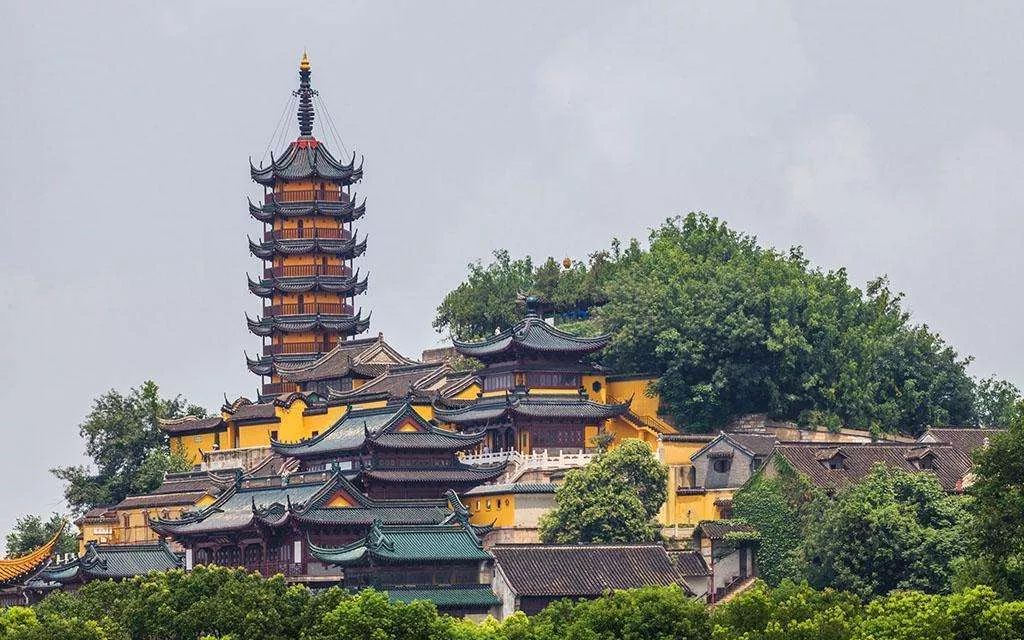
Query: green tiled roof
x: 449, y: 597
x: 408, y: 543
x: 115, y: 561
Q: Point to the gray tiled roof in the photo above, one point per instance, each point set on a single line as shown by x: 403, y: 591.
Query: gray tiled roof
x: 532, y: 335
x: 491, y: 409
x: 584, y: 570
x: 951, y: 465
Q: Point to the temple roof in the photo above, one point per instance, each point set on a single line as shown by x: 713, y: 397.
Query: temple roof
x: 307, y: 159
x: 345, y: 249
x: 453, y: 542
x: 303, y: 497
x: 584, y: 570
x: 344, y: 210
x: 21, y: 568
x: 181, y: 489
x: 532, y: 335
x: 382, y: 427
x: 400, y: 381
x: 517, y: 488
x: 719, y: 529
x: 459, y: 596
x: 115, y: 561
x: 949, y: 465
x: 363, y: 358
x: 496, y: 409
x: 191, y: 424
x: 966, y: 439
x: 346, y: 324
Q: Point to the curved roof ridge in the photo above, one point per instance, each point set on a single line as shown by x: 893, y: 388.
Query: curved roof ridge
x: 21, y: 567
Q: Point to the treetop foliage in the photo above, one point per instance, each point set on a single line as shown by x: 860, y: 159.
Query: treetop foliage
x: 731, y: 327
x: 129, y: 452
x: 614, y: 498
x: 31, y: 532
x: 215, y: 603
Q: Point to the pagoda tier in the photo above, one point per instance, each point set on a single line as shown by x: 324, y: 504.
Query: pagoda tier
x: 342, y: 285
x: 305, y: 203
x: 344, y: 324
x: 308, y: 246
x: 346, y: 249
x: 307, y: 159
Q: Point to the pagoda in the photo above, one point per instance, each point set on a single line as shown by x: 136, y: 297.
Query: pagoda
x: 308, y: 246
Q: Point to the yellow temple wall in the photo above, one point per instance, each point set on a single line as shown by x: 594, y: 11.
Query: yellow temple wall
x: 106, y: 533
x: 689, y: 509
x: 499, y: 509
x: 622, y: 390
x: 193, y: 445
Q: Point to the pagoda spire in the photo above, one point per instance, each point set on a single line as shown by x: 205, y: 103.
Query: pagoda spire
x: 305, y: 94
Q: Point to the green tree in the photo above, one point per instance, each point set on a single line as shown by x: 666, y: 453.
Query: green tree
x: 892, y: 530
x: 486, y: 301
x: 649, y: 613
x: 732, y: 328
x: 31, y: 532
x: 998, y: 509
x: 996, y: 402
x: 614, y: 498
x: 128, y: 451
x: 790, y: 612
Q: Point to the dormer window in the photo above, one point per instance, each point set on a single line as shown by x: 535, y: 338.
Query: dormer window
x: 721, y: 465
x: 832, y: 458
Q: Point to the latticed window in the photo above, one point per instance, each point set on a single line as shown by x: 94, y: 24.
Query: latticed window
x: 228, y: 556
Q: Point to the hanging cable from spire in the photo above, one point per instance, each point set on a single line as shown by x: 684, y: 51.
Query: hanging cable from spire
x: 305, y: 94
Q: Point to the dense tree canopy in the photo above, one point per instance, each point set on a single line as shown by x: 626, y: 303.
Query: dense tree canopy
x: 892, y: 530
x: 732, y: 327
x: 214, y: 603
x: 998, y: 509
x: 614, y: 498
x: 128, y: 451
x: 31, y: 532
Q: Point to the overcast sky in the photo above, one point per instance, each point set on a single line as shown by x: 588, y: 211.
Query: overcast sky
x: 885, y: 138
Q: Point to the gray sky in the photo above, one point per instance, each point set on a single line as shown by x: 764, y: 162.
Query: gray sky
x: 884, y: 138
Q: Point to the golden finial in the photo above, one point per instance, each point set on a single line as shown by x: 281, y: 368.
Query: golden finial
x: 304, y: 63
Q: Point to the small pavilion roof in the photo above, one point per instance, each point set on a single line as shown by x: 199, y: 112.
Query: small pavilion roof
x: 532, y: 335
x: 452, y: 542
x: 22, y: 568
x: 495, y: 409
x: 400, y: 381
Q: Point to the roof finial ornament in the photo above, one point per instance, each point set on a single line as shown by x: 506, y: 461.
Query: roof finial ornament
x: 305, y: 94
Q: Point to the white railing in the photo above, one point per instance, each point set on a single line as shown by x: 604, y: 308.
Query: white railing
x: 234, y: 458
x: 520, y: 463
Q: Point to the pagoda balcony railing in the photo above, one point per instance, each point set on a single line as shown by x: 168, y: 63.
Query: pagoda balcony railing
x: 307, y: 233
x: 307, y: 195
x: 283, y: 348
x: 277, y: 388
x: 306, y: 270
x: 308, y: 308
